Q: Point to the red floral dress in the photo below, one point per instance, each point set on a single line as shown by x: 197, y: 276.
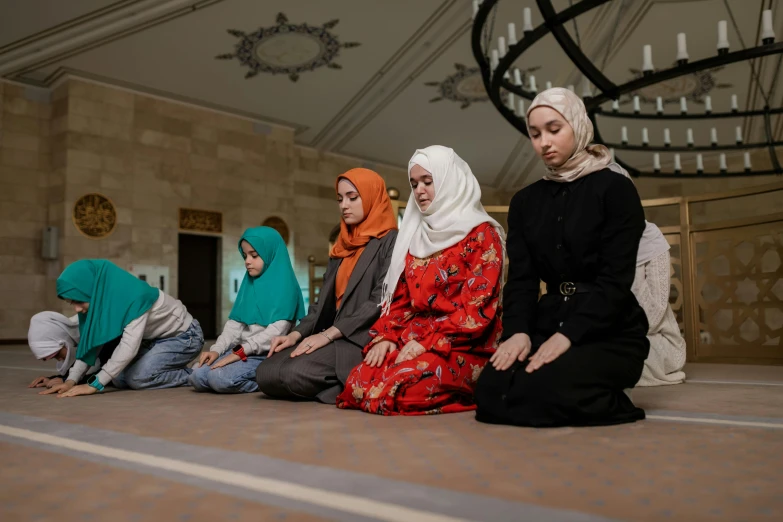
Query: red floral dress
x: 449, y: 303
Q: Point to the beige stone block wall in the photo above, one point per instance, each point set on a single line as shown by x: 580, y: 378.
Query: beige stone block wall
x: 24, y: 167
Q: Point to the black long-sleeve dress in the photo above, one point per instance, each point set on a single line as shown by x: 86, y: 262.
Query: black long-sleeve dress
x: 585, y: 232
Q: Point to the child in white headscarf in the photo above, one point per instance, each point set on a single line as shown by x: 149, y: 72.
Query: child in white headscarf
x: 54, y: 336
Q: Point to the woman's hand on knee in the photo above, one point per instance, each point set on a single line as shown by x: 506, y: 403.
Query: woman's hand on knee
x: 410, y: 351
x: 281, y: 342
x: 377, y: 354
x: 553, y: 348
x: 515, y: 348
x: 207, y: 358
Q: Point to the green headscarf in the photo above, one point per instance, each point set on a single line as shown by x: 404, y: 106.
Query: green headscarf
x: 274, y: 295
x: 116, y: 298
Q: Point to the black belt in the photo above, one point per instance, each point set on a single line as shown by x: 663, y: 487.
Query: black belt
x: 568, y: 288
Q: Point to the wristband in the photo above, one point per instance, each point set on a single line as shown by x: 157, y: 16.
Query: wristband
x: 325, y: 335
x: 95, y: 383
x: 240, y: 351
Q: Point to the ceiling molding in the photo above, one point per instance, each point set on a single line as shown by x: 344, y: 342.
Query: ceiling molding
x: 64, y: 74
x: 94, y: 32
x: 450, y: 21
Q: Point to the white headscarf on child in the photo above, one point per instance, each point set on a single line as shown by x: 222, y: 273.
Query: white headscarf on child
x: 50, y: 331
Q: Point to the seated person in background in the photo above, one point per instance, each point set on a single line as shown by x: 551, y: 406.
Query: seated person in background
x: 268, y: 304
x: 159, y: 337
x: 313, y: 361
x: 441, y: 318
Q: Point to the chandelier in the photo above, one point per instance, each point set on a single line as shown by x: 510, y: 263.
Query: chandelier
x: 508, y: 89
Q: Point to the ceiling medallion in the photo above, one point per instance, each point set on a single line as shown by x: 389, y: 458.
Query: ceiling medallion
x: 287, y: 48
x: 693, y: 87
x: 466, y: 86
x: 94, y: 216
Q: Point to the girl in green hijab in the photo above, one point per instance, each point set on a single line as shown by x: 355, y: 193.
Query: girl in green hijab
x: 158, y: 337
x: 268, y: 304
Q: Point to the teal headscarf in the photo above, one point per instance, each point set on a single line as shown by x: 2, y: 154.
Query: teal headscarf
x: 274, y: 295
x: 116, y: 298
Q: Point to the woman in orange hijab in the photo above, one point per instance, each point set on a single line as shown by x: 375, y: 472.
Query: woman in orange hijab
x: 314, y: 360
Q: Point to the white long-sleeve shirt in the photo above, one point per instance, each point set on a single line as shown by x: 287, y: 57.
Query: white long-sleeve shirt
x: 255, y: 339
x: 167, y: 318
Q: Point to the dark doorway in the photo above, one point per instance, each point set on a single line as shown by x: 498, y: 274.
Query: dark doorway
x: 198, y: 279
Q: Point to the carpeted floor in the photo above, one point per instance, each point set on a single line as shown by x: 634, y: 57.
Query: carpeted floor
x: 710, y: 450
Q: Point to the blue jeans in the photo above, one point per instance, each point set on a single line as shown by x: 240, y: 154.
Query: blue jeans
x: 162, y: 363
x: 237, y: 377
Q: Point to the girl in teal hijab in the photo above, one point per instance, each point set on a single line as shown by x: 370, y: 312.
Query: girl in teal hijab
x: 268, y: 304
x: 114, y: 304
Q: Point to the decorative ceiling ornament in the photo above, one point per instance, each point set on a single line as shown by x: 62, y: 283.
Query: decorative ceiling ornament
x: 94, y: 216
x: 466, y: 86
x: 496, y: 57
x: 693, y: 87
x: 200, y: 220
x: 287, y: 48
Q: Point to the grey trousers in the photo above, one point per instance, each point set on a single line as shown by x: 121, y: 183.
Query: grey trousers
x: 320, y: 375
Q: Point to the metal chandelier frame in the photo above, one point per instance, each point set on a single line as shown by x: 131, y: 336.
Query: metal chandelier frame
x: 554, y: 22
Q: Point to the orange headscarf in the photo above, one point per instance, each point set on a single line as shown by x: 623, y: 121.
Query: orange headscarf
x: 379, y: 219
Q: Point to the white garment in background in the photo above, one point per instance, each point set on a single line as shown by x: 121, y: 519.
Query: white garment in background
x: 651, y: 287
x: 254, y: 338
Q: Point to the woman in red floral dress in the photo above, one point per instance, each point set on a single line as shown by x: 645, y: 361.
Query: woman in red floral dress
x: 441, y: 305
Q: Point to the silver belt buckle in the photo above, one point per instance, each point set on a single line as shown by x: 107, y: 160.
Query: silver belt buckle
x: 567, y: 288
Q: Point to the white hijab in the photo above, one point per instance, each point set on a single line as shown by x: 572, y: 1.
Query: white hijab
x: 653, y: 242
x: 455, y: 210
x: 50, y: 331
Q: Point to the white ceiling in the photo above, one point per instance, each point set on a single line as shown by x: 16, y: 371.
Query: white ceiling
x: 377, y: 106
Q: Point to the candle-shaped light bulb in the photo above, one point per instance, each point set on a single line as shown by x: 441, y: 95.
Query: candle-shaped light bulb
x: 657, y: 162
x: 708, y: 104
x: 586, y: 91
x: 645, y: 137
x: 571, y: 88
x: 475, y: 7
x: 512, y: 34
x: 683, y: 105
x: 738, y: 134
x: 659, y: 105
x: 527, y: 20
x: 517, y: 77
x: 533, y: 87
x: 677, y: 164
x: 548, y: 85
x: 682, y: 49
x: 501, y: 46
x: 667, y: 138
x: 748, y: 166
x: 714, y: 137
x: 611, y: 152
x: 510, y: 102
x: 723, y: 37
x: 689, y: 134
x: 723, y: 167
x: 616, y: 106
x: 624, y: 134
x: 767, y: 32
x: 494, y: 59
x: 637, y: 108
x: 521, y: 108
x: 647, y: 64
x: 699, y: 163
x: 734, y: 104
